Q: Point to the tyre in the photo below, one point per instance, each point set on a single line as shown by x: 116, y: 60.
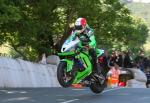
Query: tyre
x: 65, y: 79
x: 97, y: 87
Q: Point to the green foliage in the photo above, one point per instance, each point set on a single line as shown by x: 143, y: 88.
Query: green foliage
x: 32, y: 27
x: 141, y: 10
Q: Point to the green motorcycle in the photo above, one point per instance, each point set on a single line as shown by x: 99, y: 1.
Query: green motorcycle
x: 76, y: 67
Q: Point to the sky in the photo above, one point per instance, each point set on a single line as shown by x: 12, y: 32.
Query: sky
x: 144, y: 1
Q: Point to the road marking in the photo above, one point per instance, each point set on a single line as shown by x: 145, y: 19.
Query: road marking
x: 70, y: 101
x: 111, y: 90
x: 78, y: 89
x: 16, y: 99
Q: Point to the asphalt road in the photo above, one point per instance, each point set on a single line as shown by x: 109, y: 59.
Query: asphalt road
x: 70, y: 95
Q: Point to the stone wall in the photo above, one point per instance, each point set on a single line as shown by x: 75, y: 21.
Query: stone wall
x: 20, y: 73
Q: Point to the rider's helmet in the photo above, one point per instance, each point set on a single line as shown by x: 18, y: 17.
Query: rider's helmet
x: 80, y: 25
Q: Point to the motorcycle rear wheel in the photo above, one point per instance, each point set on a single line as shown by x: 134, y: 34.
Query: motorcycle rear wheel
x: 97, y: 87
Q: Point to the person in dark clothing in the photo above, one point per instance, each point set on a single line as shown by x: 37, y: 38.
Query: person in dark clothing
x: 120, y: 60
x: 140, y: 61
x: 116, y: 58
x: 128, y: 61
x: 113, y: 59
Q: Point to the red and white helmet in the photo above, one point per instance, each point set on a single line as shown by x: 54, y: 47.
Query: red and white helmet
x: 80, y: 24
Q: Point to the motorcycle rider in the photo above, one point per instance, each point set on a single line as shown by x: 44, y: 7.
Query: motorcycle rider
x: 86, y: 35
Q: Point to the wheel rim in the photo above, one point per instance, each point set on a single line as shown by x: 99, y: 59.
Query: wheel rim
x: 67, y: 77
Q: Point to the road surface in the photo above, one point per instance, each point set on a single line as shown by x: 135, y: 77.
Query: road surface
x: 71, y: 95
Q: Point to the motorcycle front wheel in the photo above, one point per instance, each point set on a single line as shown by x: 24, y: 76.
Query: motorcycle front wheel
x: 65, y: 78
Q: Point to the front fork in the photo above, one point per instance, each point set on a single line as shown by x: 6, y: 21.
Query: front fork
x: 69, y: 63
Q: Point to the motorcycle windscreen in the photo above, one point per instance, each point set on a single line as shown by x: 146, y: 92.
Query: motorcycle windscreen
x: 70, y: 44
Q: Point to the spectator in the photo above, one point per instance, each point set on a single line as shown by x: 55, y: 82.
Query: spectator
x: 140, y: 60
x: 113, y: 76
x: 120, y: 59
x: 113, y: 58
x: 128, y: 61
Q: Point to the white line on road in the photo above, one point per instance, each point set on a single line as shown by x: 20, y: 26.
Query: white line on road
x: 70, y: 101
x: 111, y: 90
x: 78, y: 89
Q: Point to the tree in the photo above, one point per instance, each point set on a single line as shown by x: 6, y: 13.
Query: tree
x: 32, y: 27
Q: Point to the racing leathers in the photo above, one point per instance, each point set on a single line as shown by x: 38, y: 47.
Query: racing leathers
x: 87, y: 39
